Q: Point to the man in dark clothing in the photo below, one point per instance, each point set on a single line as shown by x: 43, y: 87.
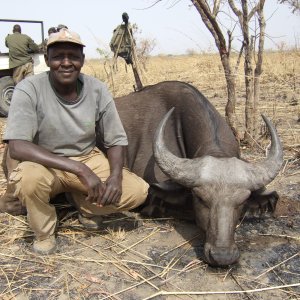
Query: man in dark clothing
x: 20, y: 46
x: 51, y: 30
x: 60, y: 27
x: 43, y: 45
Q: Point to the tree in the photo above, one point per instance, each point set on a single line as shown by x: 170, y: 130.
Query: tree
x: 249, y: 14
x: 209, y: 17
x: 252, y: 80
x: 209, y: 14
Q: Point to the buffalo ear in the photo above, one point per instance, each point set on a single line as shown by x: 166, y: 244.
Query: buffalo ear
x: 261, y: 202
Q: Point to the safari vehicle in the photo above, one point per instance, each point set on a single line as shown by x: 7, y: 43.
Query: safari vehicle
x: 6, y: 81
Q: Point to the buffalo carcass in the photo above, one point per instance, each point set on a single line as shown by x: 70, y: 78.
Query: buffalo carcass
x: 195, y: 148
x: 201, y: 155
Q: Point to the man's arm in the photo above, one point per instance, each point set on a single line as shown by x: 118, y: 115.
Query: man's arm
x: 32, y: 45
x: 26, y: 151
x: 6, y: 41
x: 113, y: 138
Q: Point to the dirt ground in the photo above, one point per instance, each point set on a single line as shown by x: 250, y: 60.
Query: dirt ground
x: 137, y: 258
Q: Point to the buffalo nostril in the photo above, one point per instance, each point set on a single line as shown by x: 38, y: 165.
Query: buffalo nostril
x: 223, y: 256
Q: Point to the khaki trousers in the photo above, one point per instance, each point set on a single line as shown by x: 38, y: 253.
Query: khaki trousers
x: 34, y: 185
x: 21, y: 72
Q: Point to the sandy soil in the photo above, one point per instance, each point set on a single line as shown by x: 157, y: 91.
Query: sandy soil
x: 137, y: 258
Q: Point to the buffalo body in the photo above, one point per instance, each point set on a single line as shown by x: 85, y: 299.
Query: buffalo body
x: 195, y: 149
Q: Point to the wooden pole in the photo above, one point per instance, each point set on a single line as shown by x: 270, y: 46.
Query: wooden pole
x: 138, y: 81
x: 133, y: 63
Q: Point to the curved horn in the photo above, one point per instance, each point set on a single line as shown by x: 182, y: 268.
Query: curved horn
x: 189, y: 172
x: 182, y: 170
x: 264, y: 172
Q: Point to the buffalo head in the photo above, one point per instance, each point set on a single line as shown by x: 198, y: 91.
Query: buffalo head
x: 221, y: 188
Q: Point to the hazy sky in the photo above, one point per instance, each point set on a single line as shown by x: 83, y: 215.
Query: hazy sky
x: 175, y: 28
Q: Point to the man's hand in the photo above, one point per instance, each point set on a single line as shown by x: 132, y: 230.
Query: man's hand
x: 110, y: 192
x: 113, y: 184
x: 95, y: 187
x: 113, y: 191
x: 102, y: 194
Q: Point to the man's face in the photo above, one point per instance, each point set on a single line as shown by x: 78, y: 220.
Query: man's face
x: 65, y: 61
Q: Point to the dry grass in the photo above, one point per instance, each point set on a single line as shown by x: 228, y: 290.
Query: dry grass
x: 101, y: 265
x: 281, y: 70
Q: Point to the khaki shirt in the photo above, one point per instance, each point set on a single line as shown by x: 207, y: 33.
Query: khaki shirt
x: 20, y: 46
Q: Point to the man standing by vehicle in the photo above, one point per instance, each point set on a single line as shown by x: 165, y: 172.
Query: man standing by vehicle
x: 20, y: 46
x: 51, y: 131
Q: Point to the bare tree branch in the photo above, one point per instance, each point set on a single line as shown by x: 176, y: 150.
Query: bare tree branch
x: 239, y: 59
x: 212, y: 24
x: 254, y: 9
x: 216, y: 7
x: 262, y: 26
x: 230, y: 38
x: 157, y: 1
x: 236, y: 11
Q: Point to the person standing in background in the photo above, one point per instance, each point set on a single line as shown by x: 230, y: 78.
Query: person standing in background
x: 61, y: 26
x: 43, y: 45
x: 20, y: 47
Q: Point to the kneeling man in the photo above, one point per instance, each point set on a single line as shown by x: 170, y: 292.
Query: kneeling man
x: 51, y: 133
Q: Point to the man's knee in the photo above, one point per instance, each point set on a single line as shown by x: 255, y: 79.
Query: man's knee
x: 135, y: 190
x: 141, y: 193
x: 28, y: 178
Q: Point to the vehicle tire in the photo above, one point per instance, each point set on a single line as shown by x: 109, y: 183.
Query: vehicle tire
x: 6, y: 90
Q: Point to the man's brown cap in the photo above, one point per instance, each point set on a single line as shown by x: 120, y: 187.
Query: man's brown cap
x: 64, y: 36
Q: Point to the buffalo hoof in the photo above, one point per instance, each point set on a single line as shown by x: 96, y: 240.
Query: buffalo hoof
x: 221, y: 256
x: 12, y: 205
